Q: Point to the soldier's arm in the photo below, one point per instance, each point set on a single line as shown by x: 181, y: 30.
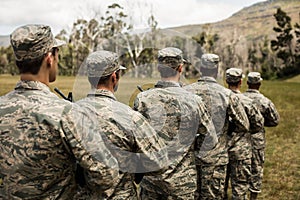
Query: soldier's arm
x: 237, y: 114
x: 271, y: 115
x: 153, y: 151
x: 88, y: 148
x: 207, y: 137
x: 256, y: 119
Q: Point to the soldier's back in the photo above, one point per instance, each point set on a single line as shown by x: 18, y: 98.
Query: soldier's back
x: 217, y: 100
x: 128, y: 136
x: 266, y: 107
x: 174, y: 114
x: 240, y: 142
x: 35, y: 164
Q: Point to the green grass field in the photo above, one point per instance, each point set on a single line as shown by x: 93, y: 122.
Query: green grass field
x: 282, y: 167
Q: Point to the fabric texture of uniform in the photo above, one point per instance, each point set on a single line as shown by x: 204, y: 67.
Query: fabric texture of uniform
x: 271, y: 119
x: 41, y: 136
x: 209, y: 61
x: 130, y: 138
x: 178, y: 117
x: 240, y: 150
x: 170, y: 55
x: 101, y: 63
x: 32, y: 41
x: 234, y: 75
x: 254, y: 78
x: 224, y: 107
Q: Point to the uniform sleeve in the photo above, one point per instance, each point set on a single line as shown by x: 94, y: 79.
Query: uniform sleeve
x: 207, y: 137
x: 152, y: 140
x: 151, y: 149
x: 237, y: 114
x: 88, y: 148
x: 256, y: 119
x: 271, y: 115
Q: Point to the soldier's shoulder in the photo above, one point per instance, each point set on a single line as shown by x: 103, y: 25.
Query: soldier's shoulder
x: 151, y: 93
x: 245, y: 99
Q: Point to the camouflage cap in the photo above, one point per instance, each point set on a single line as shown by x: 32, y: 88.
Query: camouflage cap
x: 170, y: 56
x: 209, y: 61
x: 234, y: 75
x: 102, y: 63
x: 32, y: 41
x: 254, y: 78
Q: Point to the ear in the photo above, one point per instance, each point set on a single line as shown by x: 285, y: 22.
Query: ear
x: 180, y: 68
x: 113, y: 77
x: 49, y: 60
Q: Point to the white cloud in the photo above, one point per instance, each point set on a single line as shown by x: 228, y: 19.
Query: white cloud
x: 61, y: 14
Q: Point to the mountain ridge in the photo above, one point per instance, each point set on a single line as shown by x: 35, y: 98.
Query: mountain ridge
x: 259, y: 16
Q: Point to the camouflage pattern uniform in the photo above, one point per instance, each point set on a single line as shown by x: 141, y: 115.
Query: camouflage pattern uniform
x: 239, y: 143
x: 37, y: 164
x: 271, y: 119
x: 177, y: 116
x: 41, y: 135
x: 127, y: 134
x: 224, y: 107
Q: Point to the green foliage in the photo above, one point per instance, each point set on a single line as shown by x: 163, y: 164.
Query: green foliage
x: 286, y: 46
x: 7, y: 61
x: 111, y: 31
x: 252, y: 57
x: 266, y: 61
x: 206, y: 41
x: 91, y: 35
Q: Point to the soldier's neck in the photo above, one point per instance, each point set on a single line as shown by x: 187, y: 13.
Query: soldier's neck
x: 234, y: 88
x: 173, y: 78
x: 43, y: 78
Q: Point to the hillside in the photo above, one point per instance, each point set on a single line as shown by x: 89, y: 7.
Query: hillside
x: 253, y: 22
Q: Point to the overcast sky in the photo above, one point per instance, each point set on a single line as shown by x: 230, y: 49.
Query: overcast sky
x: 60, y: 14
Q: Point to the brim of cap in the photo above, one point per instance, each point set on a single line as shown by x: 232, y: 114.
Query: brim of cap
x: 122, y: 67
x: 185, y: 61
x: 58, y: 43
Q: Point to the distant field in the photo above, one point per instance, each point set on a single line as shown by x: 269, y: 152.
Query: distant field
x: 294, y: 79
x: 282, y: 167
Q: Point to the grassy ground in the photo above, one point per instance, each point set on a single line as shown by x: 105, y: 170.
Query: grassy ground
x: 282, y: 167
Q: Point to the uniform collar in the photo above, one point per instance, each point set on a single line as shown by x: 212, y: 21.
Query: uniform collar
x: 236, y: 91
x: 207, y: 79
x: 165, y: 84
x: 31, y: 85
x: 252, y: 91
x: 102, y: 93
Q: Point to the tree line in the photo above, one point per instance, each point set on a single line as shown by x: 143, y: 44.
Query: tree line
x: 277, y: 58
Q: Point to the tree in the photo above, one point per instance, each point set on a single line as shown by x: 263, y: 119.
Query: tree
x: 7, y: 61
x: 267, y: 60
x: 283, y: 44
x: 297, y: 48
x: 252, y: 57
x: 229, y: 55
x: 80, y: 44
x: 140, y: 48
x: 115, y: 24
x: 286, y: 45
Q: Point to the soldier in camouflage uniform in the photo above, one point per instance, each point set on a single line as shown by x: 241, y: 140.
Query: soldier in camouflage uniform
x: 239, y: 143
x: 178, y: 117
x: 271, y: 119
x: 224, y: 107
x: 42, y: 135
x: 128, y: 135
